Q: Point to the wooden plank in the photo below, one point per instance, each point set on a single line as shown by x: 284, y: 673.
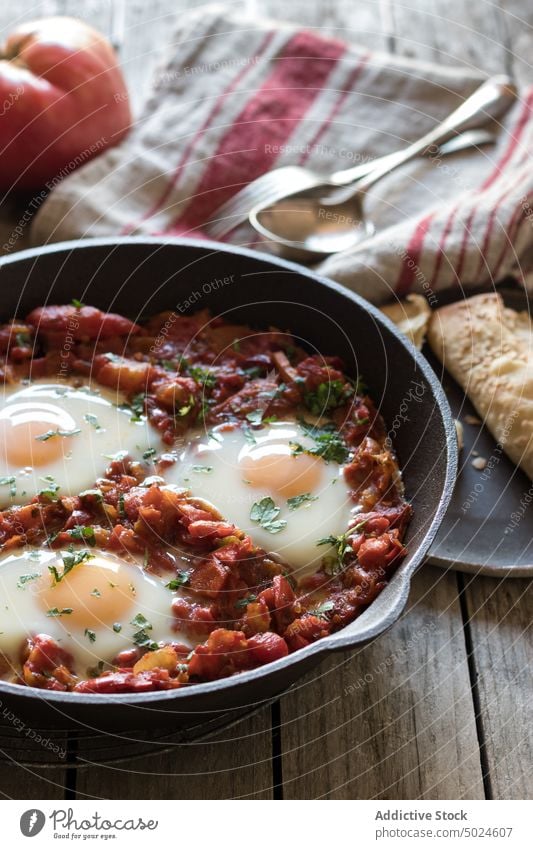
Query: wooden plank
x: 237, y: 763
x: 500, y: 614
x: 395, y: 720
x: 22, y: 758
x: 17, y: 782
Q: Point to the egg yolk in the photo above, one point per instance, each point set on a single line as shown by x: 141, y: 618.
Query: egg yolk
x: 274, y: 467
x: 34, y: 435
x: 98, y: 592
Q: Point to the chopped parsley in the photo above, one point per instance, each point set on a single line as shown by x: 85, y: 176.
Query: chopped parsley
x: 144, y: 641
x: 327, y: 396
x: 244, y: 602
x: 329, y: 444
x: 22, y: 339
x: 249, y: 436
x: 51, y: 489
x: 23, y: 579
x: 96, y: 593
x: 205, y: 406
x: 92, y: 420
x: 117, y: 627
x: 9, y: 481
x: 254, y: 371
x: 83, y: 534
x: 55, y: 611
x: 185, y: 409
x: 298, y: 500
x: 136, y: 406
x: 44, y: 437
x: 203, y: 376
x: 120, y: 505
x: 90, y: 634
x: 70, y: 559
x: 140, y: 621
x: 93, y: 494
x: 265, y: 513
x: 140, y: 637
x: 181, y: 579
x: 341, y: 546
x: 149, y: 454
x: 255, y: 417
x: 205, y: 470
x: 322, y: 609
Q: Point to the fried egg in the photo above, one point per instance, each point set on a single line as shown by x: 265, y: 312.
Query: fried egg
x: 55, y: 435
x: 264, y: 482
x: 100, y: 606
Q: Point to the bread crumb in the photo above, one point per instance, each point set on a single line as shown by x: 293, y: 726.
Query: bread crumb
x: 479, y: 463
x: 472, y: 420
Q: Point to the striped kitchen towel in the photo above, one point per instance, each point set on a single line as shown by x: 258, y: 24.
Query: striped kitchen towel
x: 236, y: 97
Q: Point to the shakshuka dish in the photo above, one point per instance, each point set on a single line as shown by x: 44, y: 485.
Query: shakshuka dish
x: 181, y: 500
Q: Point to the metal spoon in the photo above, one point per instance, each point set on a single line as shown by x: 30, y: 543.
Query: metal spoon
x: 307, y: 226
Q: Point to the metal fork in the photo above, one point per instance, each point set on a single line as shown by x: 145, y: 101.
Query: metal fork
x: 274, y: 185
x: 491, y: 100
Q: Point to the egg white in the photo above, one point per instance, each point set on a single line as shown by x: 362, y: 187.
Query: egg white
x: 106, y: 428
x: 23, y: 614
x: 210, y: 466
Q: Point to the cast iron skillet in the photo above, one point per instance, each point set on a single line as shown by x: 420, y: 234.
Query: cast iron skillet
x: 140, y: 276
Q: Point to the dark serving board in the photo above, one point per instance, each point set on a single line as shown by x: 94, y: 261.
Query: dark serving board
x: 488, y: 528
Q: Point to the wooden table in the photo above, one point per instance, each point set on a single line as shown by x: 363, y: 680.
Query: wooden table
x: 438, y: 708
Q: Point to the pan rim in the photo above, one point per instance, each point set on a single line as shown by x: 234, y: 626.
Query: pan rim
x: 401, y: 580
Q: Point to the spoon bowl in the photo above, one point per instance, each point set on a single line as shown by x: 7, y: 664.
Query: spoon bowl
x: 307, y: 229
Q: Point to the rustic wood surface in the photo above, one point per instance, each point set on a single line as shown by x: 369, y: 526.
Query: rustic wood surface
x: 438, y: 708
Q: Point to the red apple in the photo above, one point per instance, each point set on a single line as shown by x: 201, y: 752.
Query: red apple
x: 63, y: 100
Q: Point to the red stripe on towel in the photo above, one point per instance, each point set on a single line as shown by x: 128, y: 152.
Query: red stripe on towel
x: 466, y: 234
x: 492, y: 177
x: 337, y: 106
x: 522, y: 213
x: 265, y: 124
x: 513, y: 142
x: 485, y: 247
x: 186, y: 155
x: 411, y: 256
x: 439, y: 255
